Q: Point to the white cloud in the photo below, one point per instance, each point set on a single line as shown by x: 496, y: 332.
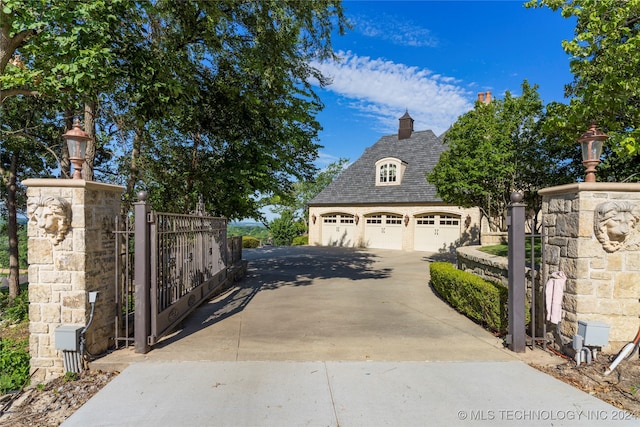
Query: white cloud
x: 382, y: 90
x: 394, y: 30
x: 325, y: 159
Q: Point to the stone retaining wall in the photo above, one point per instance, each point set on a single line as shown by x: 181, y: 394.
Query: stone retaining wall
x: 492, y: 268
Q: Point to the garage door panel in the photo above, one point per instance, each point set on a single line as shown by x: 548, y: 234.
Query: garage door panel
x: 338, y: 230
x: 425, y: 239
x: 436, y: 233
x: 339, y: 236
x: 383, y: 231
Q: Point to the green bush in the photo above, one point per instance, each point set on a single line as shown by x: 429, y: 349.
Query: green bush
x: 482, y: 301
x: 250, y: 242
x: 285, y: 228
x: 18, y: 310
x: 300, y: 241
x: 14, y: 365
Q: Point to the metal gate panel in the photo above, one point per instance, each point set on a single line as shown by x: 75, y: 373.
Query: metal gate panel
x: 124, y: 283
x: 188, y: 264
x: 165, y: 320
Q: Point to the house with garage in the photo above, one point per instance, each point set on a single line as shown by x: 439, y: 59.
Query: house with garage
x: 383, y: 200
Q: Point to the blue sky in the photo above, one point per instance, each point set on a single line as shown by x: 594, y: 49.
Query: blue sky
x: 432, y: 58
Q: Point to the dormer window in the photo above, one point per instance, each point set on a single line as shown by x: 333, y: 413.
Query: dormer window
x: 389, y: 171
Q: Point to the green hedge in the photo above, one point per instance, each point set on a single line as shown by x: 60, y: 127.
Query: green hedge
x: 250, y: 242
x: 300, y: 241
x: 482, y: 301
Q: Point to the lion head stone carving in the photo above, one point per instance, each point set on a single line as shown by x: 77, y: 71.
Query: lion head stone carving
x: 53, y: 216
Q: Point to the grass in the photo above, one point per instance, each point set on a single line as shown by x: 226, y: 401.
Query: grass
x: 503, y: 250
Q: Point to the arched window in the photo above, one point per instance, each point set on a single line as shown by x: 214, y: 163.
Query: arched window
x: 389, y: 171
x: 383, y: 173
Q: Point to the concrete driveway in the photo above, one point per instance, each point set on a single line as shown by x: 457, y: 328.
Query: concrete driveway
x: 334, y: 337
x: 327, y: 303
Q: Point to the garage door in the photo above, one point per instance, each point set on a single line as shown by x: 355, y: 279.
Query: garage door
x: 436, y: 233
x: 383, y: 231
x: 338, y: 230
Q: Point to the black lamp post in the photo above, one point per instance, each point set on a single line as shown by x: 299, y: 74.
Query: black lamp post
x: 76, y: 139
x: 591, y: 144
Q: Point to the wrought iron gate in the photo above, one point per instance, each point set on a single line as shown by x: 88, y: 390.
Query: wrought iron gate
x: 166, y: 266
x: 188, y: 264
x: 124, y: 289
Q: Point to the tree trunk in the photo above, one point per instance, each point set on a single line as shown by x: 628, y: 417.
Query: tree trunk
x: 65, y: 164
x: 188, y: 202
x: 134, y: 171
x: 14, y: 272
x: 90, y: 129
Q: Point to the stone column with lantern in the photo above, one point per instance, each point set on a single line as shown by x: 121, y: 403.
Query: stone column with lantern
x: 591, y: 235
x: 71, y: 252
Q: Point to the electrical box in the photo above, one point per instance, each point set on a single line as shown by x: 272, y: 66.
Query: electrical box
x: 68, y: 337
x: 595, y: 334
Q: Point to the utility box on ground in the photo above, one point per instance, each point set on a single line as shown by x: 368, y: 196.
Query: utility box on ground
x: 68, y: 337
x: 594, y: 334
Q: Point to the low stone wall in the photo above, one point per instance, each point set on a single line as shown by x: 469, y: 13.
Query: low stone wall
x: 492, y: 268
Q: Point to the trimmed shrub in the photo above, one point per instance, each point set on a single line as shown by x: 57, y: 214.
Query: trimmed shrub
x: 250, y: 242
x: 482, y: 301
x: 300, y: 241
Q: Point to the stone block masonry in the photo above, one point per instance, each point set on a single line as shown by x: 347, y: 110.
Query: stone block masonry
x: 592, y: 234
x: 71, y: 253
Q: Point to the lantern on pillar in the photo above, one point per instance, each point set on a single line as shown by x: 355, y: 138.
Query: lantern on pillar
x: 76, y: 139
x: 591, y: 143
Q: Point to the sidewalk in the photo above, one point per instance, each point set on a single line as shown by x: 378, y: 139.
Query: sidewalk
x: 334, y: 337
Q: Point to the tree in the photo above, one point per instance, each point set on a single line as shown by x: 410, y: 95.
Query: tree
x: 285, y: 228
x: 58, y: 53
x: 303, y: 191
x: 495, y: 149
x: 242, y: 109
x: 605, y: 66
x: 201, y: 98
x: 24, y: 153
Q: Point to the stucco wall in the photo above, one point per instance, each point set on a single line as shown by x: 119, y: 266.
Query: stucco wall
x: 469, y: 234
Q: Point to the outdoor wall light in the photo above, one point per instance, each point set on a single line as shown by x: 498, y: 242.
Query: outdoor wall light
x: 406, y: 220
x: 313, y: 218
x: 76, y: 140
x: 467, y: 221
x: 357, y: 219
x: 591, y: 144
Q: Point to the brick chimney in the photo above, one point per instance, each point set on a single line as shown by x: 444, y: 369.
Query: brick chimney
x: 406, y: 126
x: 484, y: 97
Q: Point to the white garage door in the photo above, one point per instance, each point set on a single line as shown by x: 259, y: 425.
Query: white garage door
x: 338, y: 230
x: 436, y: 233
x: 383, y: 231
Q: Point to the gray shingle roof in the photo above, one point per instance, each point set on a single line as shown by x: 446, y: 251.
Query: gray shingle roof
x: 357, y: 184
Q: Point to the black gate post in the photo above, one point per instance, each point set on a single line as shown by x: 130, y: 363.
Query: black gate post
x: 142, y: 323
x: 517, y: 286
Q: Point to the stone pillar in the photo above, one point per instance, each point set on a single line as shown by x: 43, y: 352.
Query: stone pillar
x: 592, y: 234
x: 71, y: 252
